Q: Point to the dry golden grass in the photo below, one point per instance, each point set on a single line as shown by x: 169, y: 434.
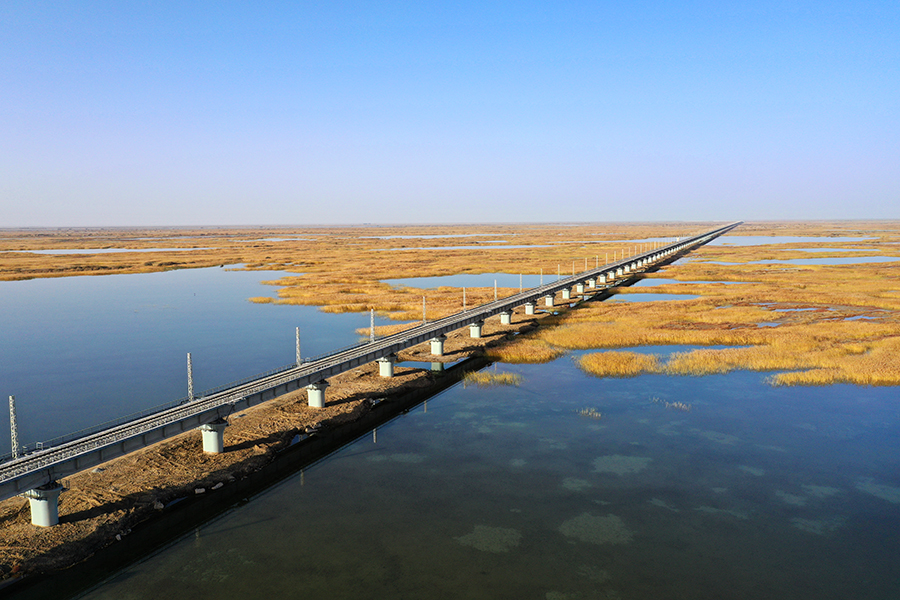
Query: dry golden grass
x: 489, y: 379
x: 618, y: 364
x: 525, y: 350
x: 342, y: 269
x: 812, y: 344
x: 590, y: 412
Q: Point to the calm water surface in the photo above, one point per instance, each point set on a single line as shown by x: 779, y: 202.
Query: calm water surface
x: 104, y: 250
x: 841, y: 260
x: 756, y: 492
x: 78, y: 351
x: 654, y: 281
x: 488, y: 245
x: 468, y: 280
x: 644, y: 297
x: 760, y: 240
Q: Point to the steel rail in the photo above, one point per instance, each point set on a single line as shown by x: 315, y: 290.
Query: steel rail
x: 51, y: 463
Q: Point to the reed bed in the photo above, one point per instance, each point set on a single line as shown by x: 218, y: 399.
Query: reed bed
x: 683, y: 406
x: 810, y: 340
x: 342, y: 269
x: 486, y: 379
x: 525, y: 350
x: 591, y: 413
x: 618, y: 364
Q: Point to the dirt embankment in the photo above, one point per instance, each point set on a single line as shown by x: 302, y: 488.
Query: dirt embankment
x: 101, y: 506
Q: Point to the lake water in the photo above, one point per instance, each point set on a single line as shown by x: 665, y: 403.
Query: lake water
x: 842, y: 260
x: 468, y: 280
x: 487, y: 246
x: 104, y: 250
x: 830, y: 249
x: 645, y: 297
x: 510, y: 280
x: 761, y: 240
x: 79, y: 351
x: 756, y: 492
x: 653, y: 281
x: 430, y: 237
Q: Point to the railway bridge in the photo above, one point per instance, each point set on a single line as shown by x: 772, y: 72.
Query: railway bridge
x: 36, y: 475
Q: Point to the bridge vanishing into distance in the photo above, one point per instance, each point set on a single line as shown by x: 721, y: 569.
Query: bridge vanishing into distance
x: 36, y: 475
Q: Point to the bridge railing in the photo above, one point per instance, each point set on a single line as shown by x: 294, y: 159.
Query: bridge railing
x: 226, y: 386
x: 328, y: 355
x: 74, y: 435
x: 68, y: 437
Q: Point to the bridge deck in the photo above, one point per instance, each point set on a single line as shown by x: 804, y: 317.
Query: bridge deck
x: 50, y: 464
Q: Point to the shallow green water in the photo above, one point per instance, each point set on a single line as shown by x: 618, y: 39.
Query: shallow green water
x: 756, y: 492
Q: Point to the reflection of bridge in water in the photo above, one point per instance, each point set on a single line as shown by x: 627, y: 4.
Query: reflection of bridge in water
x: 36, y: 474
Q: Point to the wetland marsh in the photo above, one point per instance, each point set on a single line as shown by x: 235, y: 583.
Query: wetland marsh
x: 512, y: 492
x: 584, y: 464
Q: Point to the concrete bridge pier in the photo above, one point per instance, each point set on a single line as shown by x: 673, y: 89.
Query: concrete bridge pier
x: 386, y: 365
x: 475, y: 329
x: 620, y: 272
x: 579, y: 288
x: 548, y: 300
x: 566, y: 294
x: 437, y: 345
x: 316, y: 394
x: 592, y: 282
x: 214, y: 436
x: 506, y: 318
x: 44, y: 504
x: 529, y: 308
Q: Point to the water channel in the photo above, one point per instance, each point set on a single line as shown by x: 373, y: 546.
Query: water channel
x: 79, y: 351
x: 509, y: 492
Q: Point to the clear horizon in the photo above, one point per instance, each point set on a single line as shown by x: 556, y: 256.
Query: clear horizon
x: 121, y: 115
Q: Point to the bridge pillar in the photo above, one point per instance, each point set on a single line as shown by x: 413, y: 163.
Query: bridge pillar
x: 316, y: 394
x: 475, y: 329
x: 566, y: 294
x: 386, y: 365
x: 592, y: 282
x: 437, y: 345
x: 548, y: 300
x: 620, y: 272
x: 602, y: 278
x: 213, y: 436
x: 44, y: 504
x: 579, y: 288
x: 506, y: 318
x: 529, y: 308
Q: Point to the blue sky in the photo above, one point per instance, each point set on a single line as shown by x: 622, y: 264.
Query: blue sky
x: 239, y: 113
